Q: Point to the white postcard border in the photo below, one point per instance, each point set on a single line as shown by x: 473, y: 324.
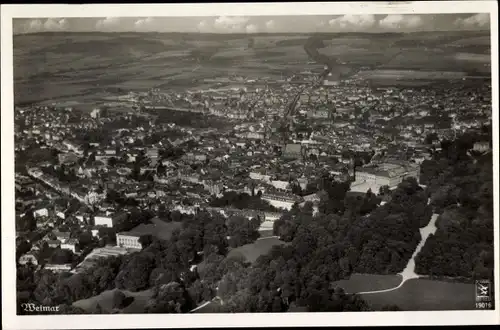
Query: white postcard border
x: 12, y: 321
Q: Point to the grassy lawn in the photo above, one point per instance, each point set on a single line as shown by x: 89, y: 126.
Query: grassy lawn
x: 426, y: 295
x: 266, y: 233
x: 165, y: 229
x: 140, y: 300
x: 105, y: 299
x: 252, y: 251
x: 367, y: 282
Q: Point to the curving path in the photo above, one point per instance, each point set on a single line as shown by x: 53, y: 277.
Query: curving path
x: 409, y: 272
x: 267, y: 237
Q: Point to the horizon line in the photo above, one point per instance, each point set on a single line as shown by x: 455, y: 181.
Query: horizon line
x: 249, y: 34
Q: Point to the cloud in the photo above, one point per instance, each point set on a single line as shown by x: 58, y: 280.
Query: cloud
x: 353, y: 22
x: 401, y: 22
x: 474, y: 21
x: 251, y: 28
x: 203, y: 26
x: 50, y: 24
x: 271, y: 25
x: 56, y: 24
x: 107, y: 23
x: 34, y: 26
x: 231, y: 23
x: 144, y: 23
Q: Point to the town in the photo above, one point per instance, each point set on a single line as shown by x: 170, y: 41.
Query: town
x: 107, y: 182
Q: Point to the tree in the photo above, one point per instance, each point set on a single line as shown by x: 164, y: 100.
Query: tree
x: 431, y: 137
x: 200, y: 292
x: 112, y: 162
x: 73, y: 288
x: 146, y: 240
x: 390, y: 308
x: 119, y: 299
x: 22, y: 247
x: 384, y: 190
x: 26, y: 222
x: 135, y: 274
x: 170, y: 298
x: 62, y: 256
x: 242, y: 231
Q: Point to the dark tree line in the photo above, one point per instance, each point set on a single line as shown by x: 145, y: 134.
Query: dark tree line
x: 241, y: 201
x: 163, y: 266
x: 52, y: 289
x: 461, y: 190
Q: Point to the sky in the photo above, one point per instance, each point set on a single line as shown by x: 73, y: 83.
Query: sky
x: 260, y: 24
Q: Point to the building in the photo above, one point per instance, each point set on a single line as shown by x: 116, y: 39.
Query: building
x: 153, y: 154
x: 54, y: 243
x: 280, y: 185
x: 58, y: 268
x: 29, y: 258
x: 109, y: 220
x: 214, y: 188
x: 128, y: 240
x: 483, y: 146
x: 281, y: 200
x: 70, y: 244
x: 102, y: 220
x: 318, y: 114
x: 68, y: 158
x: 314, y: 198
x: 293, y: 150
x: 95, y: 113
x: 386, y: 174
x: 255, y: 136
x: 330, y: 81
x: 41, y: 213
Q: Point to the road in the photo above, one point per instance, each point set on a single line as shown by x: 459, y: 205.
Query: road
x: 409, y: 272
x: 216, y: 299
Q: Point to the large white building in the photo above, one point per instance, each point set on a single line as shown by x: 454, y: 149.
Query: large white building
x: 128, y: 240
x: 386, y: 174
x: 108, y: 220
x: 103, y: 220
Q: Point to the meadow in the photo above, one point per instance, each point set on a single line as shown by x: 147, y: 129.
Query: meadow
x: 80, y: 66
x: 256, y: 249
x: 105, y: 300
x: 426, y: 295
x: 368, y: 282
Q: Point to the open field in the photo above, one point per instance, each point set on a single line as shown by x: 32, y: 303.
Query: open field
x: 368, y: 282
x: 426, y: 295
x: 164, y: 229
x: 76, y: 65
x: 252, y: 251
x: 105, y: 300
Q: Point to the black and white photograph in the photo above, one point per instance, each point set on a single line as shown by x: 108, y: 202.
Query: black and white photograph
x: 253, y: 160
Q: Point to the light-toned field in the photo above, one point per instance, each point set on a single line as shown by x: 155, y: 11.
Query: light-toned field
x: 74, y: 64
x: 252, y: 251
x: 368, y: 282
x: 105, y: 300
x: 164, y: 229
x: 426, y: 295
